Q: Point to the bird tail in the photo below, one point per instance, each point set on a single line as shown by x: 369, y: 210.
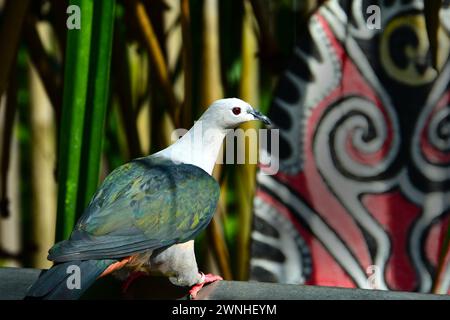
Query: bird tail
x: 68, y: 280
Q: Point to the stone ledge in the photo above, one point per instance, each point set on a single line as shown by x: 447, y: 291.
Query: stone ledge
x: 14, y: 283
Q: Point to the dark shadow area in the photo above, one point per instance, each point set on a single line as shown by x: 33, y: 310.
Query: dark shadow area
x: 152, y: 288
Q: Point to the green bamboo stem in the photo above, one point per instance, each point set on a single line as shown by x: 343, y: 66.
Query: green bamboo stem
x: 76, y: 75
x: 97, y: 98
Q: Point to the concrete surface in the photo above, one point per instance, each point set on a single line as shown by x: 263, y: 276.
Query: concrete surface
x: 14, y: 283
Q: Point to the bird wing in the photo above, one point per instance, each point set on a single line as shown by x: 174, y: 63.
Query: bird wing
x: 143, y: 205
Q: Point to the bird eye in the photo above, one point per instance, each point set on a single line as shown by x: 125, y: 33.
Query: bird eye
x: 236, y: 110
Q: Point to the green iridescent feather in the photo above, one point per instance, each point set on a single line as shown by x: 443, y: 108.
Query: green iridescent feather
x: 143, y: 205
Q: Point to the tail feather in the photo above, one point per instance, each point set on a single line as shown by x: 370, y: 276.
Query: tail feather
x: 54, y: 283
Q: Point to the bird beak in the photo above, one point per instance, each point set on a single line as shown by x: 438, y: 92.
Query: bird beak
x: 259, y: 116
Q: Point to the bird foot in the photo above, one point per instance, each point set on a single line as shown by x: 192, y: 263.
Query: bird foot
x: 207, y: 278
x: 130, y: 279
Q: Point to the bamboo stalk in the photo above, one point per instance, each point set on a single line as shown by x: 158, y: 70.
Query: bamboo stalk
x: 268, y: 43
x: 157, y: 58
x: 432, y: 22
x: 211, y: 86
x: 143, y: 116
x: 10, y: 231
x: 7, y: 137
x: 443, y: 264
x: 43, y: 156
x: 249, y: 89
x: 169, y: 38
x: 74, y: 103
x: 216, y: 234
x: 13, y: 17
x: 97, y: 98
x: 51, y: 80
x: 122, y: 84
x: 211, y: 89
x: 165, y: 21
x: 187, y: 63
x: 59, y: 22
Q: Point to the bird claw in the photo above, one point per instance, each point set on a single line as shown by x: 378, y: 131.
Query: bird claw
x: 130, y: 279
x: 207, y: 278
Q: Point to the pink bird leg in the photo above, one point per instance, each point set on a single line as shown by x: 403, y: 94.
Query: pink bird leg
x: 207, y: 278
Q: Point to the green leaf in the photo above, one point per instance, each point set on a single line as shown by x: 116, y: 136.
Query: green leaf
x: 76, y: 75
x: 97, y: 98
x: 86, y: 92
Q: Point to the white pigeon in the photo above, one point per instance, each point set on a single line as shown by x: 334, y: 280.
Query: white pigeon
x: 146, y: 213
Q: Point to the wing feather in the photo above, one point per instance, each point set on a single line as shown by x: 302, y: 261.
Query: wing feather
x: 143, y: 205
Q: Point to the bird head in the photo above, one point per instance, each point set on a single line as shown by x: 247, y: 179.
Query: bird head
x: 231, y: 112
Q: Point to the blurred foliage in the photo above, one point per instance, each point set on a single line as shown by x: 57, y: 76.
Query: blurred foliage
x: 134, y: 113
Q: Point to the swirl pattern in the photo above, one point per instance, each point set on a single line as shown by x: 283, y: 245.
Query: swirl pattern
x: 364, y: 180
